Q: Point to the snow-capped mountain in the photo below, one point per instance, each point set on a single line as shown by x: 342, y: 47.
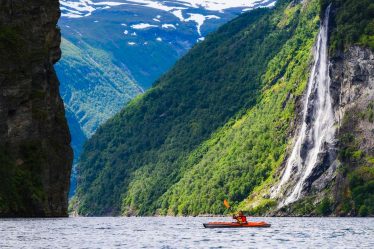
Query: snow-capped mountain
x: 81, y: 8
x: 182, y: 9
x: 113, y: 50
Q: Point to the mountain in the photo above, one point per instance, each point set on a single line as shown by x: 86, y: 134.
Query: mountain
x: 114, y: 50
x: 273, y: 112
x: 35, y: 153
x: 95, y: 88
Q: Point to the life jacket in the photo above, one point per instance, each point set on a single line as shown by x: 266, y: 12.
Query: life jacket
x: 241, y: 219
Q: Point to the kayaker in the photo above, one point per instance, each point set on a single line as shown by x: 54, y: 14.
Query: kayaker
x: 241, y: 218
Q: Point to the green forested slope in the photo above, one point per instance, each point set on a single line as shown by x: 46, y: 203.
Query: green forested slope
x: 218, y: 124
x: 352, y: 22
x: 92, y: 96
x: 244, y: 153
x: 156, y: 140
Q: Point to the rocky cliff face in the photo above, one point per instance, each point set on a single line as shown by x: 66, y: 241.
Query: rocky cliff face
x: 352, y: 87
x: 349, y: 164
x: 35, y: 153
x: 352, y: 74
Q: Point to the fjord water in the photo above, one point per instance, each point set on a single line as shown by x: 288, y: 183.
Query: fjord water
x: 172, y: 232
x: 317, y: 129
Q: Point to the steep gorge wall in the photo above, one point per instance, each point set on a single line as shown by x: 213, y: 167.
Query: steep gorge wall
x: 35, y: 152
x: 345, y: 185
x: 352, y: 74
x: 342, y: 180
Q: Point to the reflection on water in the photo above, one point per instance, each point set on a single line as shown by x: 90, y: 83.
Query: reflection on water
x: 170, y: 232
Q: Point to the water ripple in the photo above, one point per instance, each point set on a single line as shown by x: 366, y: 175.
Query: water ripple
x: 171, y: 232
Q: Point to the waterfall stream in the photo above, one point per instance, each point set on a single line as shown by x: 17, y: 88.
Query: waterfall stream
x: 317, y: 130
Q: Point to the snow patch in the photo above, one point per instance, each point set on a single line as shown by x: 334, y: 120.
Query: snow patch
x: 74, y: 9
x: 168, y: 26
x: 213, y: 5
x: 179, y: 14
x: 200, y: 19
x: 143, y: 26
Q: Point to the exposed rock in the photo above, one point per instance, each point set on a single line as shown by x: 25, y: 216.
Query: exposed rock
x: 352, y: 89
x: 352, y: 75
x: 35, y: 153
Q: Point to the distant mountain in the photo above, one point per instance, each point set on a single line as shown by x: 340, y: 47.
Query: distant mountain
x: 114, y: 50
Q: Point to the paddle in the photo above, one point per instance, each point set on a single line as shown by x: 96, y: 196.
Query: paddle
x: 227, y: 205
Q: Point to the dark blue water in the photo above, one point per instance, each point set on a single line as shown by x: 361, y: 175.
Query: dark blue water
x: 170, y: 232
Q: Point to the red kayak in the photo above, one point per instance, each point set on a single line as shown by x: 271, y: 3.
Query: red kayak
x: 235, y: 224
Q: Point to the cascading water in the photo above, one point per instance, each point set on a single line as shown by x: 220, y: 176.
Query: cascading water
x: 317, y: 128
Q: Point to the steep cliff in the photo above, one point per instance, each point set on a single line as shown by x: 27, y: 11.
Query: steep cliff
x: 341, y: 177
x: 35, y: 153
x: 353, y: 75
x: 342, y: 183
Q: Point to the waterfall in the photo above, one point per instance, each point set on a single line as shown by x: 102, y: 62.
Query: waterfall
x: 317, y: 130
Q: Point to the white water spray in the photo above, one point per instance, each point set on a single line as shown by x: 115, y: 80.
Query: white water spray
x: 317, y: 128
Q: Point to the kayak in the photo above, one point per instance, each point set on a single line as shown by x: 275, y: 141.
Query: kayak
x: 235, y: 224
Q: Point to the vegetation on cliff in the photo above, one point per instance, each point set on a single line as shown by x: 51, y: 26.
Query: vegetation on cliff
x: 218, y: 125
x: 352, y: 23
x: 356, y: 176
x: 168, y: 139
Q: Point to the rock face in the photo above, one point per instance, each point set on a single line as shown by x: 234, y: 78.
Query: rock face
x: 352, y: 75
x: 35, y: 152
x: 352, y: 90
x: 352, y: 86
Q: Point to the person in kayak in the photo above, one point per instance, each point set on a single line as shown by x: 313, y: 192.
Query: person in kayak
x: 241, y: 218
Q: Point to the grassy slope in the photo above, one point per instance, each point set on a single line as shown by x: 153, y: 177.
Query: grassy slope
x: 243, y: 154
x: 218, y: 127
x: 147, y: 144
x: 352, y: 193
